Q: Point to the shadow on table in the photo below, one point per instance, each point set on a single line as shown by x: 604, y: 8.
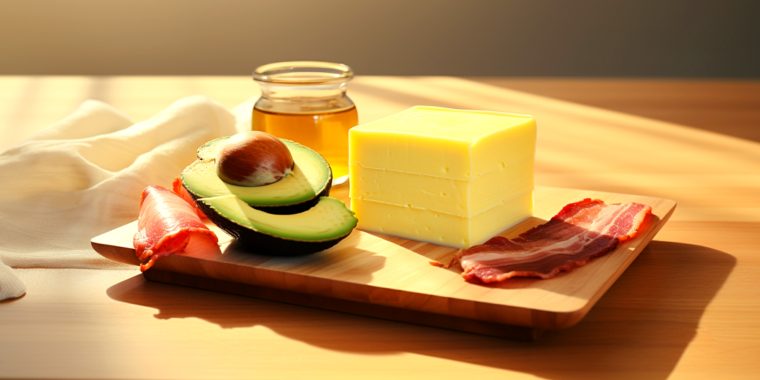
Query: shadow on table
x: 643, y: 323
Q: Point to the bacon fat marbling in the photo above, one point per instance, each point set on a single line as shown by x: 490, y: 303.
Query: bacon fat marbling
x: 580, y: 232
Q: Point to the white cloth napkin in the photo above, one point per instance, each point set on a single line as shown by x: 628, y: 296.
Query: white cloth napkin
x: 83, y: 176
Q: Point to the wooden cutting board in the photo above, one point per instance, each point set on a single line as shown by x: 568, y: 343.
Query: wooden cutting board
x: 392, y: 278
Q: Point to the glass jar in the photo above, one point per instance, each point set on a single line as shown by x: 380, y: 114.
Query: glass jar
x: 306, y: 101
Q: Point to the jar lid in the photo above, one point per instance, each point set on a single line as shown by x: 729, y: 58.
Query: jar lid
x: 303, y: 72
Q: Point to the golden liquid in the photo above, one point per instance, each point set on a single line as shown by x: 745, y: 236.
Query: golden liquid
x: 327, y: 133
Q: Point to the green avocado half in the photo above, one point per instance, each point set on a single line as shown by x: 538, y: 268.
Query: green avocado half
x: 292, y: 216
x: 311, y: 178
x: 313, y: 230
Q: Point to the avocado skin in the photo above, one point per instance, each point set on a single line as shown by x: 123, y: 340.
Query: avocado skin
x: 261, y: 243
x: 289, y: 209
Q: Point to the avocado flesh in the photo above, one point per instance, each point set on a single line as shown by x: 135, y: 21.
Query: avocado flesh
x: 316, y: 229
x: 310, y: 178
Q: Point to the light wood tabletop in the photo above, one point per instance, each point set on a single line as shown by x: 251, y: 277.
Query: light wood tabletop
x: 687, y: 307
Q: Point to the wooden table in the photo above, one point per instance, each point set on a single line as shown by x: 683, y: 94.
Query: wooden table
x: 688, y: 307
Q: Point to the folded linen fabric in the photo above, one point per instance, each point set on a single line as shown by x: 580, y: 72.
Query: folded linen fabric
x: 84, y: 175
x: 10, y: 285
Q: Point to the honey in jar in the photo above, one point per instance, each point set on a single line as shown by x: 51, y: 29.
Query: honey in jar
x: 306, y: 101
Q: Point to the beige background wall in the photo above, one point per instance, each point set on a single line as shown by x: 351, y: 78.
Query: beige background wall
x: 476, y: 37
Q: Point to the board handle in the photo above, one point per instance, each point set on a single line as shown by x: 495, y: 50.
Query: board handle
x: 121, y: 255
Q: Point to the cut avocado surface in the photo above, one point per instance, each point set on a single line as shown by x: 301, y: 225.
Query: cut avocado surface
x: 291, y: 216
x: 310, y: 178
x: 315, y: 229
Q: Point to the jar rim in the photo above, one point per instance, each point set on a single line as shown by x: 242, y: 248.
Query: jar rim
x: 303, y: 72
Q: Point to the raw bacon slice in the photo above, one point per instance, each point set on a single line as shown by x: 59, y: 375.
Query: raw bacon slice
x: 580, y: 232
x: 168, y: 225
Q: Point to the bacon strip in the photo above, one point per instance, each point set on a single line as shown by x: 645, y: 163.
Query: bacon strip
x: 168, y: 225
x: 580, y: 232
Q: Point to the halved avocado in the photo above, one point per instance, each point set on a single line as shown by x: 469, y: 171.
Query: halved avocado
x: 311, y: 178
x: 313, y: 230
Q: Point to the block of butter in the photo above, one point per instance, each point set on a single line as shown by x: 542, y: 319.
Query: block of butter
x: 446, y: 176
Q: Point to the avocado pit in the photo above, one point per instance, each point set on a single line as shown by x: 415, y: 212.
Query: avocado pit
x: 253, y: 158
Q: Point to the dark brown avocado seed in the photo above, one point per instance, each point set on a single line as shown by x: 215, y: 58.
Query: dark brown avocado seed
x: 253, y: 158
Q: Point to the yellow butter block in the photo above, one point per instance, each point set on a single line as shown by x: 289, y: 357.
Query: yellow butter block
x: 411, y: 171
x: 443, y: 142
